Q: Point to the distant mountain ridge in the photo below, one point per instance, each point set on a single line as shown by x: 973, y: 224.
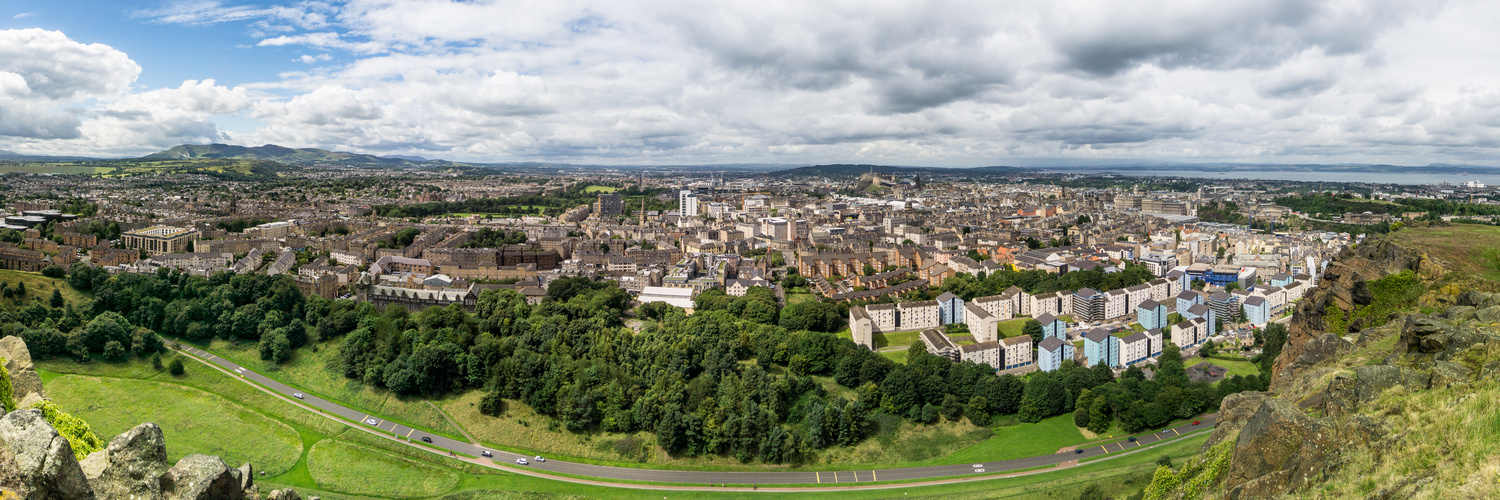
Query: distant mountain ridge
x: 14, y: 156
x: 286, y: 155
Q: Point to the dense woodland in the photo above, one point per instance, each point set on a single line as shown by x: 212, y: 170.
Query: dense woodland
x: 737, y: 378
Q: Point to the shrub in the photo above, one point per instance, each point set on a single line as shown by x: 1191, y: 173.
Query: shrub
x: 54, y: 271
x: 7, y: 399
x: 156, y: 361
x: 176, y: 367
x: 493, y: 404
x: 78, y: 432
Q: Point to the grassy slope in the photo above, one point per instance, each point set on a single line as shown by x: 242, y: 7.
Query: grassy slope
x: 37, y: 287
x: 192, y: 420
x: 1024, y: 440
x: 1466, y: 248
x: 309, y: 370
x: 334, y: 455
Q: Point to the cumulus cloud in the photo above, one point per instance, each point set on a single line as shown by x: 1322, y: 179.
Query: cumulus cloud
x: 951, y: 82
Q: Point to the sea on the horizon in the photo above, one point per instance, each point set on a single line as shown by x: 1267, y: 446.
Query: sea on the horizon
x: 1367, y: 177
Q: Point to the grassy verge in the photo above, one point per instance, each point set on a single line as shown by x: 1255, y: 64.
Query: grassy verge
x: 309, y: 370
x: 351, y: 468
x: 1236, y: 364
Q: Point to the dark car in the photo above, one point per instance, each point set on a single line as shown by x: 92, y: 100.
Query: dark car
x: 1078, y: 451
x: 426, y: 439
x: 486, y: 453
x: 1132, y: 440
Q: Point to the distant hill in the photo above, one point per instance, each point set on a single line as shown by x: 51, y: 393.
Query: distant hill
x: 842, y: 170
x: 291, y: 156
x: 14, y: 156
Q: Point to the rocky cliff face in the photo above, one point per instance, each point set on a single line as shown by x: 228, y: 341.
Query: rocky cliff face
x: 37, y: 463
x: 1346, y: 416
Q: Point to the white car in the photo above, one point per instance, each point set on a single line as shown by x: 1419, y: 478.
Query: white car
x: 298, y: 395
x: 540, y: 459
x: 522, y: 461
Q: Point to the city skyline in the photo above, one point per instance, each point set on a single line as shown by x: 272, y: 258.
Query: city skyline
x: 948, y: 85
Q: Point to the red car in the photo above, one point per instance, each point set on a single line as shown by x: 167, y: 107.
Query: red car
x: 1195, y: 422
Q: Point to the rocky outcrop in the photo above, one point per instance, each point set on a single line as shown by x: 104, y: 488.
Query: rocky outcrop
x: 37, y: 462
x: 201, y: 477
x: 1279, y: 449
x: 1234, y: 411
x: 23, y: 378
x: 1342, y: 286
x: 286, y: 494
x: 1285, y: 445
x: 131, y: 466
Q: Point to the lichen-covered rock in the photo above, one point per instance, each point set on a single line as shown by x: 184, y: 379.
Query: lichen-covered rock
x: 201, y: 477
x: 131, y: 466
x: 1279, y: 450
x: 1234, y: 411
x: 23, y: 378
x: 1447, y: 373
x: 39, y: 463
x: 1323, y: 348
x: 1488, y: 315
x: 247, y: 478
x: 1373, y: 380
x: 1459, y: 314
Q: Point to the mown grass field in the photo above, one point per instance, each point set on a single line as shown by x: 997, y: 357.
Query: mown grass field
x: 38, y: 287
x: 600, y: 189
x: 895, y: 339
x: 348, y: 467
x: 1472, y: 248
x: 1023, y: 440
x: 192, y: 420
x: 1012, y: 327
x: 310, y: 371
x: 1236, y: 364
x: 797, y: 298
x: 337, y: 462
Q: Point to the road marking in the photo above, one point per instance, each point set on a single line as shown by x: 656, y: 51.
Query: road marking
x: 1106, y: 450
x: 835, y: 476
x: 872, y: 474
x: 1174, y: 431
x: 820, y: 477
x: 856, y: 476
x: 408, y: 433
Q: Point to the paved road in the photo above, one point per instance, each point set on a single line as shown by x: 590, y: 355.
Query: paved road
x: 700, y: 477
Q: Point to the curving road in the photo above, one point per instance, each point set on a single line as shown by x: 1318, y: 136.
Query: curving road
x: 375, y: 422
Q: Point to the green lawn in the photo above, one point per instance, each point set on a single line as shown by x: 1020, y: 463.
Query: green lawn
x: 797, y: 298
x: 898, y: 356
x: 1022, y: 440
x: 310, y: 371
x: 192, y: 420
x: 1236, y: 364
x: 1012, y: 327
x: 600, y: 189
x: 351, y: 468
x: 337, y: 462
x: 896, y: 339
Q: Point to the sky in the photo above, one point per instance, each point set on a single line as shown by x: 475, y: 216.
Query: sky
x: 936, y: 83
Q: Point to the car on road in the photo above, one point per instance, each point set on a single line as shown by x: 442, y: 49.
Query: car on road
x: 522, y: 461
x: 486, y: 453
x: 540, y: 459
x: 1132, y: 440
x: 1078, y: 451
x: 298, y: 395
x: 426, y: 439
x: 1195, y: 422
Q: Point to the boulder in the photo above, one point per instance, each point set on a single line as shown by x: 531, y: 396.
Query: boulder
x: 1373, y: 380
x: 201, y: 477
x: 284, y: 494
x: 23, y: 377
x: 131, y: 466
x: 1423, y: 334
x: 1490, y: 370
x: 1323, y: 348
x: 1234, y: 411
x: 1447, y: 373
x: 247, y: 477
x: 1489, y: 315
x: 38, y: 462
x: 1459, y: 314
x: 1279, y: 450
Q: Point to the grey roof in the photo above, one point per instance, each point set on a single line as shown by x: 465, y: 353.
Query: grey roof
x: 1050, y: 344
x: 1086, y: 292
x: 1255, y: 301
x: 1096, y: 335
x: 1198, y: 309
x: 1134, y: 338
x: 1149, y: 304
x: 1046, y: 318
